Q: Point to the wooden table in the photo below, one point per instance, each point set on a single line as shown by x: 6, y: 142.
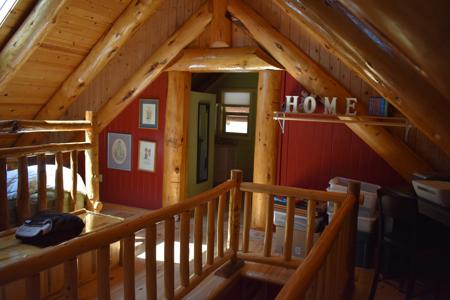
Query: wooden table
x: 12, y: 249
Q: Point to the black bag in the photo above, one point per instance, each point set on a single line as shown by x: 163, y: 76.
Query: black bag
x: 49, y: 228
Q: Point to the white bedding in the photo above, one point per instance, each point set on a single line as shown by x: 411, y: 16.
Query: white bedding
x: 12, y: 181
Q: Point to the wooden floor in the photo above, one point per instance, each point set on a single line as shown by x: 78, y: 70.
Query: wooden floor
x: 363, y: 280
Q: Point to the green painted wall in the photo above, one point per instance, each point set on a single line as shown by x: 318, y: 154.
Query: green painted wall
x: 194, y: 188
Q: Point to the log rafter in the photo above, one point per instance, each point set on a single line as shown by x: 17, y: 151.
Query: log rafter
x: 136, y: 14
x: 319, y: 82
x: 389, y: 72
x: 154, y: 65
x: 28, y: 38
x: 244, y: 59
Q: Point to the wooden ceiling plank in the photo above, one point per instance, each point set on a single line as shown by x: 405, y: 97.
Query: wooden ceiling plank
x: 27, y: 39
x: 319, y: 82
x: 383, y: 68
x: 224, y: 60
x: 106, y: 48
x: 154, y: 65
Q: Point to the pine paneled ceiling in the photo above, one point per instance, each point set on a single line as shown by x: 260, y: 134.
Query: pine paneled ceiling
x: 80, y: 24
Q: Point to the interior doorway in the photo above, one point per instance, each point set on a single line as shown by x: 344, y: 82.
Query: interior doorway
x: 235, y: 118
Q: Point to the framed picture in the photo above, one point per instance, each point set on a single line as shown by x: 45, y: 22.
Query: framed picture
x: 147, y: 156
x: 148, y: 113
x: 119, y: 151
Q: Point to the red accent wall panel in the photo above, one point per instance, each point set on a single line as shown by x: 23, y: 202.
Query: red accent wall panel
x: 311, y: 154
x: 135, y: 188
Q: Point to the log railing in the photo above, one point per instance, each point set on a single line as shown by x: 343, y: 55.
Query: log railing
x: 217, y: 252
x: 325, y: 273
x: 20, y: 156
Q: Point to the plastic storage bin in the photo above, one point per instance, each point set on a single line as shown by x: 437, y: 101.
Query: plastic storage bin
x: 369, y: 207
x: 365, y: 224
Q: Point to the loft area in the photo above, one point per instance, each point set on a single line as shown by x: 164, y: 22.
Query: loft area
x: 200, y: 143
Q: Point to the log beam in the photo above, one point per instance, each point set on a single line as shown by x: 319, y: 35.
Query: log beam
x: 224, y: 60
x: 319, y: 82
x: 175, y: 137
x: 156, y: 63
x: 28, y: 38
x: 136, y: 14
x: 387, y: 70
x: 266, y: 141
x: 220, y: 29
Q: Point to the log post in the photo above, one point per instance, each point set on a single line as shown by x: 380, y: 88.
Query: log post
x: 220, y: 29
x: 266, y: 141
x: 91, y: 165
x: 175, y: 138
x: 4, y: 212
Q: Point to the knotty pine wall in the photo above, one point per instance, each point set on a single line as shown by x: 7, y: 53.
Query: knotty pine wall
x: 174, y: 12
x: 135, y: 188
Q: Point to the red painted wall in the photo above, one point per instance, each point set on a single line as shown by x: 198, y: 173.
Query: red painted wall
x: 135, y: 188
x: 311, y: 154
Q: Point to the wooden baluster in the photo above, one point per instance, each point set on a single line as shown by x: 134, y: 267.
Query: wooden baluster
x: 236, y: 176
x: 220, y: 221
x: 169, y: 281
x: 352, y: 190
x: 210, y: 241
x: 150, y: 261
x: 23, y: 203
x: 198, y: 239
x: 310, y: 226
x: 247, y: 221
x: 4, y: 211
x: 71, y: 279
x: 269, y: 228
x: 103, y: 273
x: 33, y: 287
x: 42, y: 182
x: 185, y: 219
x: 288, y: 233
x: 59, y: 182
x: 128, y: 267
x: 92, y: 165
x: 74, y: 169
x: 230, y: 219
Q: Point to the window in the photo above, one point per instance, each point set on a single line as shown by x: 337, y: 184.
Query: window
x: 236, y: 112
